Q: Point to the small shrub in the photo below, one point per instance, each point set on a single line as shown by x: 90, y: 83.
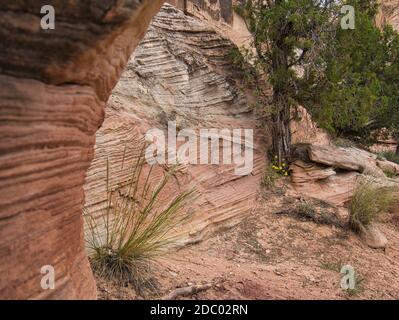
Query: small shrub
x: 343, y: 143
x: 332, y: 266
x: 368, y: 201
x: 312, y: 210
x: 390, y: 174
x: 134, y: 228
x: 306, y: 209
x: 269, y: 178
x: 390, y: 156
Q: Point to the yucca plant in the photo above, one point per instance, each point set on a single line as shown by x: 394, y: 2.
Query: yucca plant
x: 135, y: 227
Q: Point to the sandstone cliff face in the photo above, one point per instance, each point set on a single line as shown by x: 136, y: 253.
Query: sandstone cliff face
x: 50, y: 110
x: 53, y: 89
x: 180, y: 72
x: 218, y: 10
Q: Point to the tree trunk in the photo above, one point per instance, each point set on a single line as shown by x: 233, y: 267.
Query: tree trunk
x: 281, y: 133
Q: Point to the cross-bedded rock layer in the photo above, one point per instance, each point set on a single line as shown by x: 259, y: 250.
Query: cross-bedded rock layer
x: 53, y: 88
x: 181, y: 72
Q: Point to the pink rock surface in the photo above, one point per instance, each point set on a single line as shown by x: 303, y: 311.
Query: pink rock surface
x: 180, y: 72
x: 53, y: 89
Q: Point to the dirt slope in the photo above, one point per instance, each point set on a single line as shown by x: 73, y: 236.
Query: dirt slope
x: 278, y: 256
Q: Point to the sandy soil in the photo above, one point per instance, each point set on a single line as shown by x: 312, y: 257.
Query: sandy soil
x: 273, y: 254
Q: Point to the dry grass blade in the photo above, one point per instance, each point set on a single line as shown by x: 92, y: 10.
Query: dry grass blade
x: 368, y: 201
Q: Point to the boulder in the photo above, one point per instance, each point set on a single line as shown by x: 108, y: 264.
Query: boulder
x: 336, y: 189
x: 351, y: 159
x: 304, y: 172
x: 388, y: 166
x: 373, y: 236
x: 305, y: 130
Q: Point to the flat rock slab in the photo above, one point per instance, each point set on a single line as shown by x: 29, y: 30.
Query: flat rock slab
x: 351, y: 159
x: 304, y: 172
x: 336, y: 190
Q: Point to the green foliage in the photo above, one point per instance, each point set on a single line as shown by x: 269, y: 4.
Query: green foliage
x: 286, y: 33
x: 134, y: 227
x: 357, y: 90
x: 350, y: 82
x: 282, y: 169
x: 306, y: 209
x: 369, y: 199
x: 390, y: 156
x: 269, y: 178
x: 359, y: 286
x: 281, y: 29
x: 332, y: 266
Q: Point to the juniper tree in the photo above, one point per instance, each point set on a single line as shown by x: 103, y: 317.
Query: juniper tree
x: 350, y: 77
x: 286, y: 35
x: 358, y: 90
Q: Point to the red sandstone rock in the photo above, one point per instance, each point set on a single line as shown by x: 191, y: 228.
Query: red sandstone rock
x: 388, y: 166
x: 53, y: 89
x: 388, y: 13
x: 175, y: 74
x: 373, y: 236
x: 351, y: 159
x: 303, y: 172
x: 305, y: 130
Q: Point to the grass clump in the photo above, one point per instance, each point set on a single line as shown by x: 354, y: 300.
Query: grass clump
x: 359, y: 286
x: 389, y: 174
x: 332, y: 266
x: 269, y: 178
x: 306, y: 209
x: 135, y: 227
x: 369, y: 199
x: 390, y: 156
x: 337, y: 267
x: 317, y: 212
